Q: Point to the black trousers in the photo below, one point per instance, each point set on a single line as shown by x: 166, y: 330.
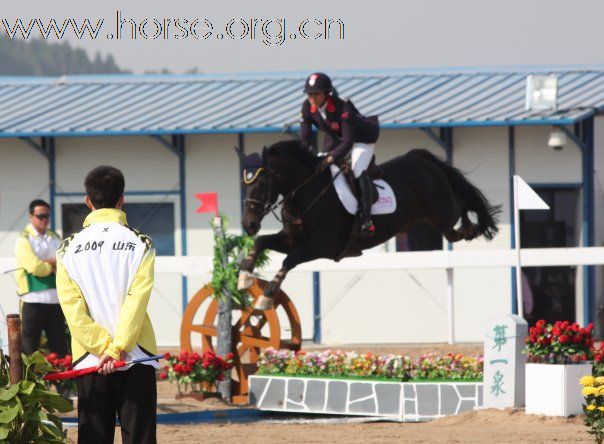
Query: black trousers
x: 47, y: 317
x: 131, y: 394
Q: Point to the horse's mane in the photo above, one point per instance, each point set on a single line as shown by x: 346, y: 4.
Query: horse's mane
x: 293, y: 148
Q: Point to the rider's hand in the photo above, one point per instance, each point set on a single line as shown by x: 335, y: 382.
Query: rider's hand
x: 325, y: 162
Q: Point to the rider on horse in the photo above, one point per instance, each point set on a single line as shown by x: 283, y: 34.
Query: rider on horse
x: 346, y: 131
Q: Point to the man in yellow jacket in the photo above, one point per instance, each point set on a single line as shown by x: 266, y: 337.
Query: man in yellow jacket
x: 104, y: 281
x: 35, y: 249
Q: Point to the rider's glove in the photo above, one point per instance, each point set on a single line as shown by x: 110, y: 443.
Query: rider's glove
x: 324, y: 164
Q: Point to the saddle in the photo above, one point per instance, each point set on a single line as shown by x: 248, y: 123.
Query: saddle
x: 374, y: 171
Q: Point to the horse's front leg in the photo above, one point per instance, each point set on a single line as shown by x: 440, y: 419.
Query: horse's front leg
x: 277, y: 242
x: 295, y: 256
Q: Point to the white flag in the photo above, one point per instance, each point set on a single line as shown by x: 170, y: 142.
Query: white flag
x: 527, y: 198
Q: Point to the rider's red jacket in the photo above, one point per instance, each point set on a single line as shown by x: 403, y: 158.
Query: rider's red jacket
x: 343, y: 126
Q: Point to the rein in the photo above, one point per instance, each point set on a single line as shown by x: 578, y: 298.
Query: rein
x: 267, y: 208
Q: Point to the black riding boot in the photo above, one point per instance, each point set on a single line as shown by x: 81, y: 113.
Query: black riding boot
x: 365, y: 202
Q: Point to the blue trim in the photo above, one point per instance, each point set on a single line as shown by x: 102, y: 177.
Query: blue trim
x: 274, y: 129
x: 208, y: 416
x: 241, y: 144
x: 512, y: 171
x: 179, y: 142
x: 587, y: 136
x: 127, y: 193
x: 52, y: 179
x: 316, y: 291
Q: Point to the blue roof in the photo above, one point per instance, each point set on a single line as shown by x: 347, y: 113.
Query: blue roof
x: 265, y: 102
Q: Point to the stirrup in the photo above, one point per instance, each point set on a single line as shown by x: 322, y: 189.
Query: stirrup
x: 367, y: 231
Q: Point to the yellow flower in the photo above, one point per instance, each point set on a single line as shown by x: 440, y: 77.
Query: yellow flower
x: 600, y: 380
x: 589, y: 391
x: 588, y: 380
x: 601, y: 409
x: 591, y: 407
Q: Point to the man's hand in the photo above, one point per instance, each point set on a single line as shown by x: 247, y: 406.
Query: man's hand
x: 52, y: 261
x: 106, y: 364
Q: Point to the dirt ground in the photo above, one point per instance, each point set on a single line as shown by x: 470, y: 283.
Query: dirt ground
x: 483, y: 426
x: 486, y: 426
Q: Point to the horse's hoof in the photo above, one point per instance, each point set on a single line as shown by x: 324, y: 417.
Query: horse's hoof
x: 263, y: 303
x: 245, y: 280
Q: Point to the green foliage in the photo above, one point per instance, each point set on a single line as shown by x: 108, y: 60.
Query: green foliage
x: 234, y: 249
x: 37, y: 57
x: 27, y: 409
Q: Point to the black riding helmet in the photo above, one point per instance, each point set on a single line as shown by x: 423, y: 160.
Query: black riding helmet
x: 318, y: 82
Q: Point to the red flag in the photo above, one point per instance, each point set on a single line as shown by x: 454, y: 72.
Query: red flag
x: 209, y: 203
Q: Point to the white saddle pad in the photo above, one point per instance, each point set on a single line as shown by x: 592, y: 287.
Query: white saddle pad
x: 385, y: 204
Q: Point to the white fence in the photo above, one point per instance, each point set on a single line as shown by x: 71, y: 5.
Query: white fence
x: 444, y: 260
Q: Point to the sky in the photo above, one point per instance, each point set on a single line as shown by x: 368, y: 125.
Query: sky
x: 377, y: 34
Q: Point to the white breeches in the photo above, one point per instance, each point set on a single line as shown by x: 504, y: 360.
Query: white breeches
x: 361, y: 157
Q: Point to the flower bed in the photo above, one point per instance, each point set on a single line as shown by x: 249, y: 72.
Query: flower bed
x: 336, y: 364
x: 349, y: 383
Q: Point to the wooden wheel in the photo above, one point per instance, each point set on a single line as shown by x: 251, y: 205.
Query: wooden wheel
x: 251, y: 334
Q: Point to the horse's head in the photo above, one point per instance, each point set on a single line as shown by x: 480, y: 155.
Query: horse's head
x: 261, y: 190
x: 280, y: 168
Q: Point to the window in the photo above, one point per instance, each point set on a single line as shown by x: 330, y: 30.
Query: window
x: 153, y: 219
x: 420, y: 237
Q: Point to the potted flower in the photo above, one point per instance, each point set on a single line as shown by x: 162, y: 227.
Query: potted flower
x: 558, y: 355
x: 194, y: 373
x: 66, y: 387
x: 593, y: 408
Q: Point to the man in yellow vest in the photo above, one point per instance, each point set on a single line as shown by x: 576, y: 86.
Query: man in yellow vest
x: 104, y: 281
x: 35, y: 249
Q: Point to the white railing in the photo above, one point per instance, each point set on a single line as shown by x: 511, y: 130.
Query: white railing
x: 447, y: 260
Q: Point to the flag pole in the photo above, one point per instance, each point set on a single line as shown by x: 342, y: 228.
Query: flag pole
x: 520, y: 308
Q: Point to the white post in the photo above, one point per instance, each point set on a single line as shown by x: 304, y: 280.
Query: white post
x: 517, y: 237
x: 450, y: 308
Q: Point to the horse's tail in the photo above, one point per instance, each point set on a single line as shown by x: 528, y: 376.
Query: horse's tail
x: 470, y: 197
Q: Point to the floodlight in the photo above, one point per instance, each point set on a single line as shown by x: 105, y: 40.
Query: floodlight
x: 541, y: 92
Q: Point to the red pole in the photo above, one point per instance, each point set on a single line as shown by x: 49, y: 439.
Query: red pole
x: 13, y: 321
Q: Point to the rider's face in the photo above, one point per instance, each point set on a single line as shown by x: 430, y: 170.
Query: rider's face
x: 317, y: 99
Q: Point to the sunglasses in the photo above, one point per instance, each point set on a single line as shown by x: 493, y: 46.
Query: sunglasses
x: 42, y: 216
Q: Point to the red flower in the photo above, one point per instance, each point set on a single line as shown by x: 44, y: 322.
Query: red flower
x: 163, y: 375
x: 186, y: 369
x: 563, y: 339
x: 167, y: 356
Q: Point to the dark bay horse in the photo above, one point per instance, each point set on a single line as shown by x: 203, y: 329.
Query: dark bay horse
x: 316, y: 224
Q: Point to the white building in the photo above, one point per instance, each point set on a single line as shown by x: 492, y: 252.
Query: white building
x: 173, y: 136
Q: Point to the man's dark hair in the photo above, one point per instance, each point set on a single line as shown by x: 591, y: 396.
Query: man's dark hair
x: 37, y: 203
x: 104, y: 186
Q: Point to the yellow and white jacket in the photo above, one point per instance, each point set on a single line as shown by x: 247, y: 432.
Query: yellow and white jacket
x: 104, y: 281
x: 35, y: 280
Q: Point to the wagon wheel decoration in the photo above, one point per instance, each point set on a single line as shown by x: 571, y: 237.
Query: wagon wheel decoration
x: 251, y: 333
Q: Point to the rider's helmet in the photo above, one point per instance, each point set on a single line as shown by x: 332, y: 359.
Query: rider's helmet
x: 318, y: 82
